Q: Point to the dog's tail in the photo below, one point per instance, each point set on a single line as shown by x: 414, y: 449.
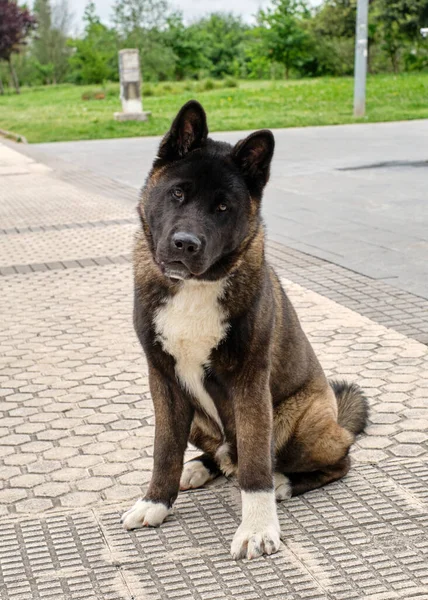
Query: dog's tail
x: 353, y: 408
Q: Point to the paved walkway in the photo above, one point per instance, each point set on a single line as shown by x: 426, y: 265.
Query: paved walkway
x: 76, y: 424
x: 354, y: 195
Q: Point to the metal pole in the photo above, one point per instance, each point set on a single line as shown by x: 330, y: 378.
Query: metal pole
x: 360, y: 73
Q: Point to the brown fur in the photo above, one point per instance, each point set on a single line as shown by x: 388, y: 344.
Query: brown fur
x: 277, y: 408
x: 306, y: 434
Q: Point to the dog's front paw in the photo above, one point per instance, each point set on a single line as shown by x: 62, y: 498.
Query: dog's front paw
x: 259, y: 532
x: 144, y: 513
x: 250, y: 542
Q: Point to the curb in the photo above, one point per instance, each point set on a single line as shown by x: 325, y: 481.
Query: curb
x: 16, y: 137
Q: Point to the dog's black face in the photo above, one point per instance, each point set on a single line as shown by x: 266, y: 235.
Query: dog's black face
x: 201, y: 201
x: 198, y: 212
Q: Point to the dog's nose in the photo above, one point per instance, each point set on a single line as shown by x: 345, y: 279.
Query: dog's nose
x: 186, y: 242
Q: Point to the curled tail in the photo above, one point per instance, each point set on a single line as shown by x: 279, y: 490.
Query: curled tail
x: 353, y: 408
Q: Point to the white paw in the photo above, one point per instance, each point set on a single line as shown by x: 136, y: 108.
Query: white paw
x: 194, y: 475
x: 144, y: 513
x: 250, y: 542
x: 259, y: 532
x: 282, y: 487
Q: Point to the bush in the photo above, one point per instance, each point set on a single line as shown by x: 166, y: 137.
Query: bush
x: 230, y: 83
x: 329, y: 56
x: 416, y: 57
x: 94, y: 95
x: 148, y: 90
x: 205, y: 86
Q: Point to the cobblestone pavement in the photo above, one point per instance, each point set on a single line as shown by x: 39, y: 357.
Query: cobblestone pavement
x: 372, y: 298
x: 76, y: 429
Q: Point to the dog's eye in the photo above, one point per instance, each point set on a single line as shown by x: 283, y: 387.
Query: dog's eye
x: 222, y: 207
x: 177, y: 193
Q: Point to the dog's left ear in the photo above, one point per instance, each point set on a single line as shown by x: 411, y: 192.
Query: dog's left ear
x: 188, y: 131
x: 253, y: 156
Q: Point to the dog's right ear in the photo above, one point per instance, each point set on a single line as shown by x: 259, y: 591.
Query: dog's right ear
x: 188, y: 131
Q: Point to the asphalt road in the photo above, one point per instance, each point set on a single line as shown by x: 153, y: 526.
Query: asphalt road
x: 355, y: 195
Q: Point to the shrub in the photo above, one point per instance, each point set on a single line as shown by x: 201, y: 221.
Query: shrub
x: 94, y: 95
x: 230, y: 83
x: 205, y: 86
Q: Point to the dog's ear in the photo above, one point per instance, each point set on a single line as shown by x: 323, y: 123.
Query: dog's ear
x: 253, y: 156
x: 188, y: 131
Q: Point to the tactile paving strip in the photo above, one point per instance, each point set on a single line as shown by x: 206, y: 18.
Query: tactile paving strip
x: 364, y: 537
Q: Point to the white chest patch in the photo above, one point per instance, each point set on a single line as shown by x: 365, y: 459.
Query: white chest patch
x: 189, y: 326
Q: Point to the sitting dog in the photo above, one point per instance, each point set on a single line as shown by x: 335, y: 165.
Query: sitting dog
x: 230, y: 368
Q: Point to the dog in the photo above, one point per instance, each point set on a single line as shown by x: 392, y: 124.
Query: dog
x: 230, y: 369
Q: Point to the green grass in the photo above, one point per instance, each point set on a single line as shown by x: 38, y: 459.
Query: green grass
x: 57, y: 113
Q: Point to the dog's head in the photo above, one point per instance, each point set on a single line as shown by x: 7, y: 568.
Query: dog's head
x: 200, y: 205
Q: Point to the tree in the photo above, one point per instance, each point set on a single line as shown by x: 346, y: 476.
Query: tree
x: 15, y: 25
x: 285, y: 33
x: 332, y: 32
x: 187, y: 46
x: 256, y: 62
x: 336, y: 18
x: 50, y: 49
x: 133, y: 18
x: 388, y: 26
x: 142, y: 24
x: 94, y: 59
x: 220, y: 38
x: 398, y: 22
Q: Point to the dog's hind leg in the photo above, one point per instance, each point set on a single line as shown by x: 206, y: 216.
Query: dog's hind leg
x: 199, y: 471
x: 282, y: 487
x: 305, y: 482
x: 317, y: 451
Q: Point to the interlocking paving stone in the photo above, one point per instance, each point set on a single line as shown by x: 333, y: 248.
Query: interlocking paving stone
x: 76, y: 427
x: 82, y: 178
x: 363, y: 537
x: 44, y: 200
x: 77, y: 394
x: 61, y: 227
x: 373, y: 298
x: 65, y: 245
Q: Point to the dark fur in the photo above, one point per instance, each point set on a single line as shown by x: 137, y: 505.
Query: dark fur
x: 277, y: 408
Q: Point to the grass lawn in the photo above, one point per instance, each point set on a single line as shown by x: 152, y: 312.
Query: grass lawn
x: 58, y: 113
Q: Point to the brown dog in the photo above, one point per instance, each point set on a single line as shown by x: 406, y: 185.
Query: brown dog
x: 230, y: 368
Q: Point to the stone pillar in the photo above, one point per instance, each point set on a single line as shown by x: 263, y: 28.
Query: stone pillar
x: 130, y: 87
